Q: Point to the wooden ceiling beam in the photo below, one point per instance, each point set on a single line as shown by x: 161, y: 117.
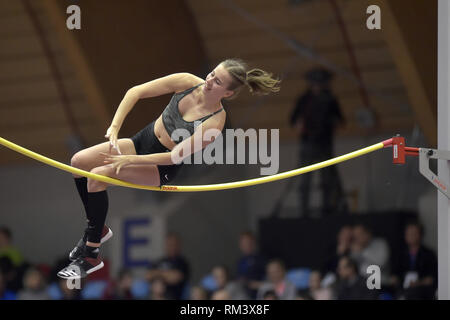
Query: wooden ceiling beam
x: 77, y: 57
x: 410, y: 30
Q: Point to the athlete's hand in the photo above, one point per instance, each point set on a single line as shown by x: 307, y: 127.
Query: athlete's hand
x: 111, y: 134
x: 117, y: 161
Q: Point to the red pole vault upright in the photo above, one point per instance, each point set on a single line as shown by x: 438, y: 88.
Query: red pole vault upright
x: 400, y: 151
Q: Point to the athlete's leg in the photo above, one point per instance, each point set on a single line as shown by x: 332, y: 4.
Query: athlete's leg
x: 87, y: 159
x: 89, y: 261
x: 97, y: 196
x: 90, y: 158
x: 143, y: 174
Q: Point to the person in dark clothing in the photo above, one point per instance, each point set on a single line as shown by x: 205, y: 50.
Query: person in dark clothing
x: 173, y: 268
x: 341, y: 248
x: 315, y: 116
x: 251, y: 266
x: 5, y: 294
x: 123, y: 286
x: 352, y: 286
x: 415, y: 274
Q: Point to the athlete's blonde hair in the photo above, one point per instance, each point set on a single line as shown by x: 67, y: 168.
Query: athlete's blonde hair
x: 258, y: 81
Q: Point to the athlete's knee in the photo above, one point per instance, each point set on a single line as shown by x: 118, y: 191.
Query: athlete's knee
x: 95, y: 185
x: 78, y: 160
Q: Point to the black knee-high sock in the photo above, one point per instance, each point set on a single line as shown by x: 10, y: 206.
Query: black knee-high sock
x: 81, y: 184
x: 97, y: 208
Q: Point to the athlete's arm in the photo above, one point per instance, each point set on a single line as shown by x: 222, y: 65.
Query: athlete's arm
x: 203, y: 135
x: 171, y: 83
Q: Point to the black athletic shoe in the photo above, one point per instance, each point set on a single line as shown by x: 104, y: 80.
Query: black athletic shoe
x: 78, y: 250
x: 81, y: 268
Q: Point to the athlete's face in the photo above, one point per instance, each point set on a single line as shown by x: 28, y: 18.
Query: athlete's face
x: 217, y: 82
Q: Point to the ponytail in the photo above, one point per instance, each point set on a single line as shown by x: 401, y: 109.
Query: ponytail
x: 259, y: 82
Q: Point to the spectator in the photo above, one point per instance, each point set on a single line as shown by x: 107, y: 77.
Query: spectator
x: 222, y: 278
x: 198, y: 293
x: 9, y: 273
x: 367, y: 250
x: 67, y: 293
x: 270, y: 295
x: 315, y: 290
x: 416, y: 271
x: 343, y: 247
x: 158, y: 289
x: 251, y: 265
x: 351, y: 286
x: 5, y: 294
x: 221, y: 295
x: 315, y: 117
x: 276, y: 275
x: 34, y: 286
x: 12, y: 261
x: 173, y: 268
x: 303, y: 295
x: 7, y: 249
x: 123, y: 286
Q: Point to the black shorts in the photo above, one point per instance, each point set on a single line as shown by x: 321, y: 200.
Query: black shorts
x: 146, y: 142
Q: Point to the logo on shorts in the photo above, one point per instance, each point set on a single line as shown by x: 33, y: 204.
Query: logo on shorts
x: 165, y: 176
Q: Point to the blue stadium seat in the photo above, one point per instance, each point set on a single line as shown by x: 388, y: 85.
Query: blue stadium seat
x: 299, y: 277
x: 94, y: 289
x: 54, y: 291
x: 140, y: 289
x: 208, y: 283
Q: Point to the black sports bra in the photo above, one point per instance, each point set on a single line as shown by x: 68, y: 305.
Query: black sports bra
x: 172, y: 118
